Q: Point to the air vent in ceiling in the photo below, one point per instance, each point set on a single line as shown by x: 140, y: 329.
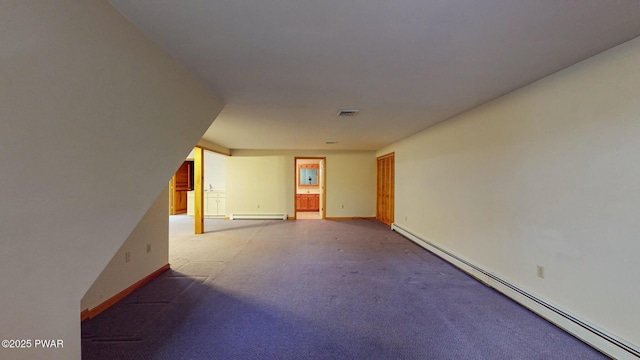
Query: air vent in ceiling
x: 347, y: 112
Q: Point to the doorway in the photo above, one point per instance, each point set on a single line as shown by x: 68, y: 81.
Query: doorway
x: 181, y: 183
x: 210, y: 168
x: 385, y: 188
x: 310, y: 187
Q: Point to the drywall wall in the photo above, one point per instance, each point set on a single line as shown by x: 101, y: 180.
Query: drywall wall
x: 99, y: 112
x: 259, y: 185
x: 215, y: 166
x: 351, y: 185
x: 119, y: 274
x: 267, y: 179
x: 547, y: 175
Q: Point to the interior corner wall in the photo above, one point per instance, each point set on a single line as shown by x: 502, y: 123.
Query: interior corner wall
x: 95, y: 120
x: 267, y: 178
x: 118, y: 275
x: 547, y: 175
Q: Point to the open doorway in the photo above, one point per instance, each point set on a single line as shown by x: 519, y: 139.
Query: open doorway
x: 310, y: 180
x: 213, y: 189
x: 181, y: 183
x: 214, y: 186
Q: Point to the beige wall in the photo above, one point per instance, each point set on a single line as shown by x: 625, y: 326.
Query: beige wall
x: 266, y: 178
x: 94, y: 121
x: 118, y: 275
x: 548, y: 175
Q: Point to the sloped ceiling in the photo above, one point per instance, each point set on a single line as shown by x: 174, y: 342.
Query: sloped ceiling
x: 284, y: 68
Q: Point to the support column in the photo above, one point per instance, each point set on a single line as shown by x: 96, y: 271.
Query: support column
x: 198, y: 206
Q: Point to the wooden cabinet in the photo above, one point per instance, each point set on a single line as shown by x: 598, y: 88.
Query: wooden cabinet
x: 214, y: 204
x: 181, y: 182
x: 307, y: 202
x: 184, y: 177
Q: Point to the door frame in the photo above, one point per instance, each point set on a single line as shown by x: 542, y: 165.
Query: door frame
x: 323, y: 184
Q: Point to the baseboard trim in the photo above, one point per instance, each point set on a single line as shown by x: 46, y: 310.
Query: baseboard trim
x: 258, y: 216
x: 84, y: 314
x: 91, y: 313
x: 350, y: 218
x: 598, y: 338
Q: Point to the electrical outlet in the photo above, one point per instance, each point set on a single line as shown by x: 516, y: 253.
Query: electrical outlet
x: 148, y: 248
x: 127, y: 256
x: 405, y: 218
x: 540, y: 271
x: 258, y: 206
x: 343, y: 206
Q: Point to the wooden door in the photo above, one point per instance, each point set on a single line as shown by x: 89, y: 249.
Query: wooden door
x: 181, y: 182
x: 385, y: 188
x: 304, y: 203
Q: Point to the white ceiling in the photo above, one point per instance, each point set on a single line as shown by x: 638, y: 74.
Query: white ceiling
x: 285, y: 67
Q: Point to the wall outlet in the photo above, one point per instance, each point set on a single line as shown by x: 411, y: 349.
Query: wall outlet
x: 148, y: 248
x: 343, y: 206
x: 405, y: 218
x: 258, y: 206
x: 540, y: 271
x: 127, y: 256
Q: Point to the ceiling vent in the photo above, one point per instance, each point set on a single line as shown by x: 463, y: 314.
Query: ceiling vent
x: 346, y: 112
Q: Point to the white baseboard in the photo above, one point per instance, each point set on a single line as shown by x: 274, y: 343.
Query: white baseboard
x: 590, y: 334
x: 258, y: 216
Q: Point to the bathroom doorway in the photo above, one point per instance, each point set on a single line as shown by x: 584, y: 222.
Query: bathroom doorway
x: 310, y: 197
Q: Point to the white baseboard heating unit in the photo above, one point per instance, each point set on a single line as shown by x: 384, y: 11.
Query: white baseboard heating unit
x: 258, y: 217
x: 598, y: 338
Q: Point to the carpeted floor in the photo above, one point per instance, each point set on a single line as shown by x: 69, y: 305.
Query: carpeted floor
x: 316, y: 289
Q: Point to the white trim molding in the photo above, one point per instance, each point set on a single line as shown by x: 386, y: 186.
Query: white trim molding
x: 258, y: 217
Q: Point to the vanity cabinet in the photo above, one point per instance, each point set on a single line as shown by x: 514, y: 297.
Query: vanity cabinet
x: 214, y: 204
x: 307, y: 202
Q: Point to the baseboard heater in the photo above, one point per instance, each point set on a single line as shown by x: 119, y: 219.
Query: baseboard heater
x: 598, y: 338
x: 258, y: 217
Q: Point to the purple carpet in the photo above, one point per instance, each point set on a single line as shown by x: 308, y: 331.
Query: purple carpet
x: 315, y: 289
